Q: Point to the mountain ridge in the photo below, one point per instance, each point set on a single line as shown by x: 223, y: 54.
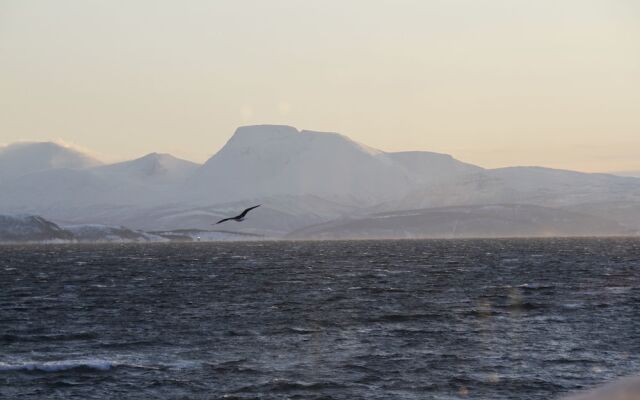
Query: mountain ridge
x: 303, y: 178
x: 152, y: 166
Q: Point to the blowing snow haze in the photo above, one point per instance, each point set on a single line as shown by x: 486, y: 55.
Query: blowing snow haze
x: 315, y: 184
x: 23, y: 158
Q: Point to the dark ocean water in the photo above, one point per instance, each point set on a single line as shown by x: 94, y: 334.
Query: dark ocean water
x: 475, y: 319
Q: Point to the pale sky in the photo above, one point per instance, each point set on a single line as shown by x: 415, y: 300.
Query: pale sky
x: 493, y: 82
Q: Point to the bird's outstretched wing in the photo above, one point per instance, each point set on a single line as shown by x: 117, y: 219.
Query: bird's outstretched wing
x: 247, y: 210
x: 238, y: 217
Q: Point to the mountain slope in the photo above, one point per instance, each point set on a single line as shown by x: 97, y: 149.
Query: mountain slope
x: 460, y: 222
x: 34, y: 228
x: 426, y: 167
x: 279, y: 160
x: 152, y: 168
x: 144, y: 182
x: 104, y: 233
x: 520, y: 185
x: 22, y: 228
x: 23, y: 158
x: 276, y: 217
x: 554, y: 187
x: 633, y: 174
x: 273, y: 160
x: 626, y: 213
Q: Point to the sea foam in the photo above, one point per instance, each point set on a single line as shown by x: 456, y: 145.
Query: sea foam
x: 55, y: 366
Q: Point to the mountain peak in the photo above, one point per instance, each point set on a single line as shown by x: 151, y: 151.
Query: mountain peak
x: 252, y: 135
x: 159, y: 157
x: 152, y: 165
x: 281, y: 160
x: 258, y: 136
x: 27, y: 157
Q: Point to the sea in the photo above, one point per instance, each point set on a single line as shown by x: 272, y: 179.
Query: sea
x: 406, y: 319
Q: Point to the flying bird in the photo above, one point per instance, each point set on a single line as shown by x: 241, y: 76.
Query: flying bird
x: 239, y: 217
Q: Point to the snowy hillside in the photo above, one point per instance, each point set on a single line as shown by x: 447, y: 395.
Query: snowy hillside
x: 626, y: 213
x: 23, y: 158
x: 276, y: 217
x: 554, y: 187
x: 104, y: 233
x: 144, y: 182
x: 634, y: 174
x: 460, y: 222
x: 520, y: 185
x: 427, y: 168
x: 21, y: 228
x: 152, y: 168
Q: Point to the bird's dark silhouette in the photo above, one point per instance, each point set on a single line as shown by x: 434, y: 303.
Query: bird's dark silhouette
x: 239, y: 217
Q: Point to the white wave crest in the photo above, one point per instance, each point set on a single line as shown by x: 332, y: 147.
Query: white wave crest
x: 54, y: 366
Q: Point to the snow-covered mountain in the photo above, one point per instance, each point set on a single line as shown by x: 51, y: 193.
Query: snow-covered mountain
x: 274, y: 160
x: 24, y: 158
x: 301, y: 178
x: 153, y: 168
x: 57, y: 192
x: 520, y: 185
x: 425, y: 167
x: 280, y: 160
x: 553, y: 187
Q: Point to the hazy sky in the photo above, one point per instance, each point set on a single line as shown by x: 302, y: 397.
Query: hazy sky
x: 493, y: 82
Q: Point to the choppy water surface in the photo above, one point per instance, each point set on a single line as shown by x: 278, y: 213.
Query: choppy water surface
x: 489, y: 319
